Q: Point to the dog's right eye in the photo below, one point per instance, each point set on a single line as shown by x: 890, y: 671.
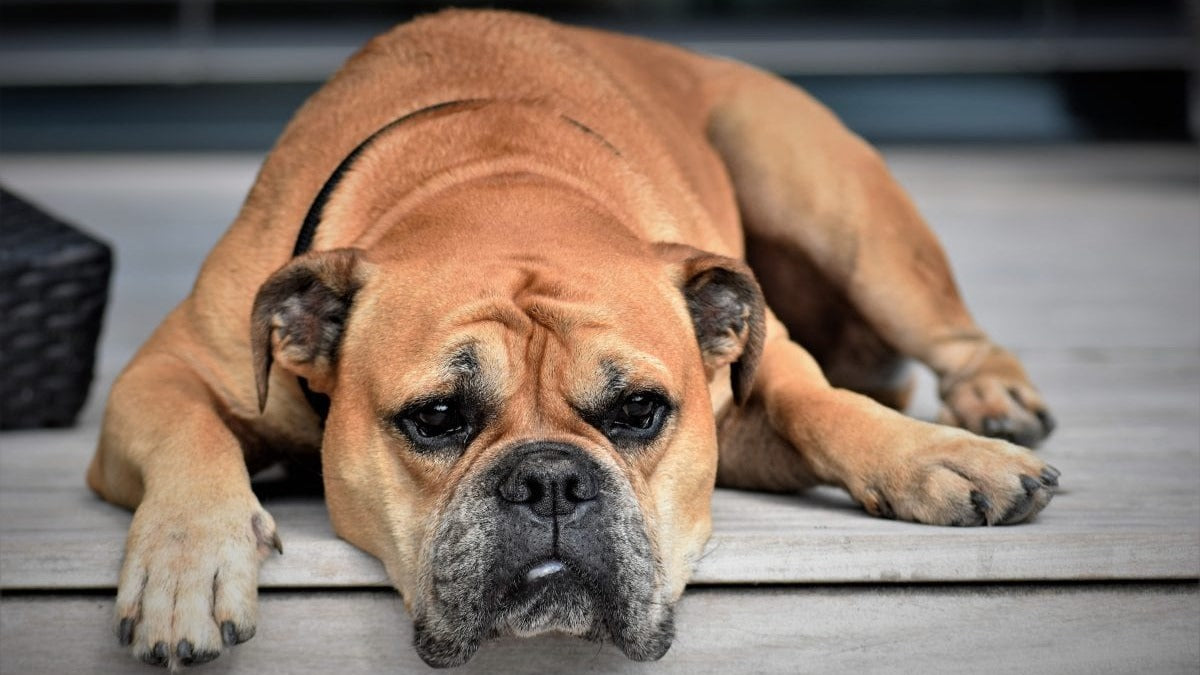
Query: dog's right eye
x: 439, y: 418
x: 632, y: 420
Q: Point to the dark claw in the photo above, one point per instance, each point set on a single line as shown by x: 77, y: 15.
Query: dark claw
x: 982, y: 504
x: 184, y: 651
x: 1047, y: 421
x: 991, y: 426
x: 1050, y: 476
x: 885, y: 508
x: 998, y: 427
x: 125, y: 632
x: 232, y: 635
x: 276, y: 543
x: 1030, y: 484
x: 1021, y: 507
x: 157, y: 656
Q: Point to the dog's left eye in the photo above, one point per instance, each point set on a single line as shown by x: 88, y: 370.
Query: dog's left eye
x: 638, y: 411
x: 635, y: 419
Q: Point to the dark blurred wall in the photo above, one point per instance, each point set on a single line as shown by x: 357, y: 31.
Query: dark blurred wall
x: 167, y: 75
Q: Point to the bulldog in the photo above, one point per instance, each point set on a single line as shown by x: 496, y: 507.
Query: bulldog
x: 528, y: 292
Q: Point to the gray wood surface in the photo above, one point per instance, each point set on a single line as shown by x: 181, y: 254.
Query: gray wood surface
x: 1085, y: 260
x: 974, y: 629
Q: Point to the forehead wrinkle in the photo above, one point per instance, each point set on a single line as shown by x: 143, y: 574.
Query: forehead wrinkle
x: 491, y: 310
x: 637, y: 366
x: 565, y: 319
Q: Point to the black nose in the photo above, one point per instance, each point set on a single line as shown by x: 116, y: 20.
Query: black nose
x: 550, y: 479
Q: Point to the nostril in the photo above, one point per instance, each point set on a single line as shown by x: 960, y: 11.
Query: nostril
x: 520, y: 488
x: 580, y: 488
x: 533, y: 491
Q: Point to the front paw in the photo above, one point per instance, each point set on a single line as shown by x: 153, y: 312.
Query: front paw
x: 993, y: 397
x: 189, y: 583
x: 959, y: 479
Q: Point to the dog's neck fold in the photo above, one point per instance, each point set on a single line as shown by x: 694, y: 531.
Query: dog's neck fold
x: 408, y: 164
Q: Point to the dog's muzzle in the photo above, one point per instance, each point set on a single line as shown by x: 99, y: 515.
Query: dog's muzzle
x: 545, y: 539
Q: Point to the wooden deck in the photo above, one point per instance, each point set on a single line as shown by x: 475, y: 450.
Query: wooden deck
x: 1084, y: 260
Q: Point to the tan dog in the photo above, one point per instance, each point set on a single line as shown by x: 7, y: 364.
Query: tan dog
x: 524, y: 296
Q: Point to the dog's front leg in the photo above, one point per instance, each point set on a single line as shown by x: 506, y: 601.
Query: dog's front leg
x: 188, y: 585
x: 893, y: 465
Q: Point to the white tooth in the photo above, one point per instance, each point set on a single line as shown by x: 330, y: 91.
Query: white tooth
x: 544, y: 570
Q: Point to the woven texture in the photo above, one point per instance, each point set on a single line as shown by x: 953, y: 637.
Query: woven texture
x: 53, y: 289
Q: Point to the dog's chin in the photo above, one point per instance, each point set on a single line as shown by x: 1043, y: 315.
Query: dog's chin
x: 549, y: 598
x: 540, y: 602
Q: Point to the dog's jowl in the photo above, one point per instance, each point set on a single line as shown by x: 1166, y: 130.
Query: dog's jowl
x: 517, y: 283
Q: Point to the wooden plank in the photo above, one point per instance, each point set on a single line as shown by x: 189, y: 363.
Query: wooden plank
x: 1068, y: 246
x: 1117, y: 520
x: 1058, y: 629
x: 1113, y: 495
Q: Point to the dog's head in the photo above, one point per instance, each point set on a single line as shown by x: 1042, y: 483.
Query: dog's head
x: 521, y: 427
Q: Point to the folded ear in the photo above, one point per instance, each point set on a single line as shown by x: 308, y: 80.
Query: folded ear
x: 299, y: 314
x: 727, y: 309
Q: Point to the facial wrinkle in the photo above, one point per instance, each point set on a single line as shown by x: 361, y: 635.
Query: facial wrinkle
x: 535, y: 352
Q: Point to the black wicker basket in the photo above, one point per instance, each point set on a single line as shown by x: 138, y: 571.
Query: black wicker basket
x: 53, y: 288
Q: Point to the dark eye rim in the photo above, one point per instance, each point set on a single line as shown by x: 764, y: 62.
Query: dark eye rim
x: 627, y: 435
x: 656, y: 405
x: 454, y: 416
x: 456, y: 438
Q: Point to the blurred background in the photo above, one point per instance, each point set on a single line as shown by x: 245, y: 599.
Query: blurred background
x: 222, y: 75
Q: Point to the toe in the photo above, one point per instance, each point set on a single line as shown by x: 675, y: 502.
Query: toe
x: 1010, y: 413
x: 184, y: 651
x: 158, y: 655
x: 1047, y: 421
x: 1028, y: 501
x: 982, y: 505
x: 193, y: 627
x: 125, y: 632
x: 235, y: 600
x: 234, y: 634
x: 1050, y: 476
x: 1003, y: 427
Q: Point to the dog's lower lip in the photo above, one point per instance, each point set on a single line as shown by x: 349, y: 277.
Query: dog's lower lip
x: 543, y: 569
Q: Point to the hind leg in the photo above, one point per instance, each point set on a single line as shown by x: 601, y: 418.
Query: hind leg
x: 813, y: 194
x: 819, y: 317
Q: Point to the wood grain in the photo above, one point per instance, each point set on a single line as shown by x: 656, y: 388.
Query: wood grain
x: 1142, y: 526
x: 1046, y: 629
